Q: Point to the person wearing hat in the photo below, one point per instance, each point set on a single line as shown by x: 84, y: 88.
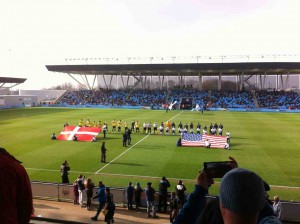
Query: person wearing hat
x: 242, y: 200
x: 150, y: 198
x: 137, y: 195
x: 129, y: 195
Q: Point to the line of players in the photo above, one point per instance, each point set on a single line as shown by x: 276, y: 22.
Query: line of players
x: 167, y: 128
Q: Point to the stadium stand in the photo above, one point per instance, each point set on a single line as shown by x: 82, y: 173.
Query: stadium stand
x: 155, y: 98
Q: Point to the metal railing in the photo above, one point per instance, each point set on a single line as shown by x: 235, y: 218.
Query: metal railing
x: 65, y: 193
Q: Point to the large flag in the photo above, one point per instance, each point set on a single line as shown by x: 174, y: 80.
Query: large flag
x: 199, y: 140
x: 82, y: 133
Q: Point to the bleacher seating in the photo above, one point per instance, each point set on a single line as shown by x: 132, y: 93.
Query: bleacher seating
x: 155, y: 98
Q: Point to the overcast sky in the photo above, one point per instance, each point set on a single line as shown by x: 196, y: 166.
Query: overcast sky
x: 35, y: 33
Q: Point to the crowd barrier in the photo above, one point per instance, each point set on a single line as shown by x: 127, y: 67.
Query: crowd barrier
x: 64, y: 193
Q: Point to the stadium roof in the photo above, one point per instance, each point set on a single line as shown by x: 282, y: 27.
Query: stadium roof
x: 186, y: 69
x: 12, y: 81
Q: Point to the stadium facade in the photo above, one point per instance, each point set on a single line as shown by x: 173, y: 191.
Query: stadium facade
x: 261, y: 73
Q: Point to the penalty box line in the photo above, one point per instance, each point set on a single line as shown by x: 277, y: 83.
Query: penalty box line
x: 121, y: 154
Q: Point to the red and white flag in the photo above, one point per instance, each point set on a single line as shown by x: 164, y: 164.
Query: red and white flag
x: 199, y: 140
x: 82, y: 133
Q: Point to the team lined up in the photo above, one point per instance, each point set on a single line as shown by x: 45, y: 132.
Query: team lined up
x: 167, y: 128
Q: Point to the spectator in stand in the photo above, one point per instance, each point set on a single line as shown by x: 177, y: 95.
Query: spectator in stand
x: 15, y: 195
x: 164, y: 184
x: 174, y: 206
x: 277, y: 207
x: 149, y: 190
x: 180, y: 193
x: 76, y: 193
x: 81, y: 188
x: 101, y: 195
x: 137, y: 195
x: 129, y: 195
x: 89, y: 192
x: 109, y: 207
x: 242, y: 200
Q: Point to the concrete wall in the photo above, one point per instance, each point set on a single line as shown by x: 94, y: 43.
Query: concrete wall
x: 43, y: 95
x: 18, y: 101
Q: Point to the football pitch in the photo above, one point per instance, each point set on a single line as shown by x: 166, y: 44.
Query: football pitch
x: 267, y: 143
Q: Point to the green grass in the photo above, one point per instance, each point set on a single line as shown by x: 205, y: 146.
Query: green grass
x: 266, y: 143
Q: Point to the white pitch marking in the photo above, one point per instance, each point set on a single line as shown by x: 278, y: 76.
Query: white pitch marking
x: 175, y: 116
x: 148, y: 177
x: 122, y: 154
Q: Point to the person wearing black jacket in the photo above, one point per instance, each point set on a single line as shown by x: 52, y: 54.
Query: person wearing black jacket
x: 163, y: 194
x: 125, y: 137
x: 129, y: 195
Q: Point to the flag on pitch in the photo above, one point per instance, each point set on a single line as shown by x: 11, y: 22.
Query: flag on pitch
x: 82, y: 133
x: 189, y: 139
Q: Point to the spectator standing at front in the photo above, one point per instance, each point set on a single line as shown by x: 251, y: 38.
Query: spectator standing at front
x: 149, y: 190
x: 15, y: 195
x: 89, y: 192
x: 137, y: 195
x: 81, y: 188
x: 164, y: 184
x: 277, y: 207
x: 101, y: 195
x: 129, y: 195
x: 109, y: 207
x: 103, y: 153
x: 174, y: 208
x: 76, y: 193
x: 180, y: 192
x: 65, y: 168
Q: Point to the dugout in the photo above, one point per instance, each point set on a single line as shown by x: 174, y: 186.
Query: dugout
x: 186, y: 103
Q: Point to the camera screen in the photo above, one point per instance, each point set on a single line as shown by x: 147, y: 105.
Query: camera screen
x: 217, y: 169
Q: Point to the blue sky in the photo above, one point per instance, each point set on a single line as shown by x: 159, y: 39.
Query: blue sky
x: 35, y: 33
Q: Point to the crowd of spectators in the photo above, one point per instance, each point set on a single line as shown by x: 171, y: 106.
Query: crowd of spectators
x: 278, y: 99
x: 115, y: 97
x: 156, y: 98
